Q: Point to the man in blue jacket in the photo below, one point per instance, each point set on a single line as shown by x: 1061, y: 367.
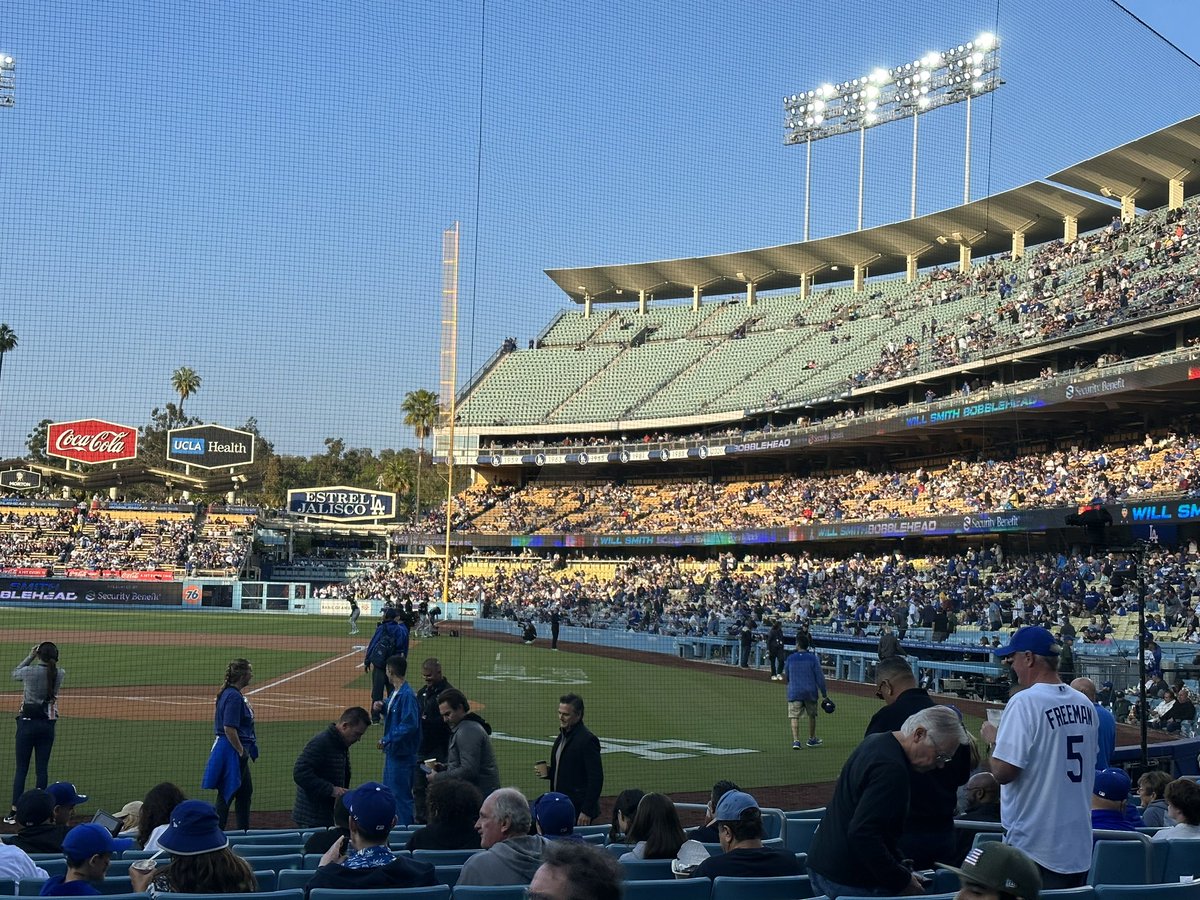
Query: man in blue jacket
x: 401, y: 738
x: 390, y: 638
x: 805, y: 681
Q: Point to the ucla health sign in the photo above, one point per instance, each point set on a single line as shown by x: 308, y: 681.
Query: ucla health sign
x: 342, y: 504
x: 210, y: 447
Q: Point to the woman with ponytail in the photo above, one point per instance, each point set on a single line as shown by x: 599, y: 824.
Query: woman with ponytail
x: 40, y: 674
x: 234, y: 747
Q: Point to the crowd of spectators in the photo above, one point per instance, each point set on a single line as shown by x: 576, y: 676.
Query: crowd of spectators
x: 89, y: 538
x: 982, y: 589
x: 1109, y: 473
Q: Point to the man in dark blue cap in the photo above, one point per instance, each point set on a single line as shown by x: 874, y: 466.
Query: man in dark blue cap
x: 1044, y: 757
x: 88, y: 849
x: 363, y: 861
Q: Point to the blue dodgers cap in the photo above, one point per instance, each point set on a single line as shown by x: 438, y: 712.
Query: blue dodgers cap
x: 86, y: 840
x: 732, y: 804
x: 555, y: 814
x: 1112, y: 784
x: 373, y: 806
x: 1032, y: 639
x: 64, y: 794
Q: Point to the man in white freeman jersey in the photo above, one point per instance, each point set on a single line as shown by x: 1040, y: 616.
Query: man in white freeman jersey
x: 1044, y: 757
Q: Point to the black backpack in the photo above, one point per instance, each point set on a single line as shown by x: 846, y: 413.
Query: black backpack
x: 385, y: 648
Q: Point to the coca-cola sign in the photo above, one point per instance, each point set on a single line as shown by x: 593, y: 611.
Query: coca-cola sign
x: 91, y: 441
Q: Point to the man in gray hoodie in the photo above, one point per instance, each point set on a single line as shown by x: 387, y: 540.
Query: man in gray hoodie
x: 512, y: 855
x: 470, y: 755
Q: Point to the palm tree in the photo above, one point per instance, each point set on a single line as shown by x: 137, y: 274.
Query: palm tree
x: 396, y: 476
x: 8, y: 341
x: 421, y: 411
x: 186, y: 382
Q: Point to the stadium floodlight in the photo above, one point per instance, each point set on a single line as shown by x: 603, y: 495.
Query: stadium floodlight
x: 939, y: 78
x: 8, y: 70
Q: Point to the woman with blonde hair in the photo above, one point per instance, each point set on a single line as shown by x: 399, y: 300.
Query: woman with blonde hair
x: 41, y: 677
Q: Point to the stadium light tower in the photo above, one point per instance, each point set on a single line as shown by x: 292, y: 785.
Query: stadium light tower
x: 8, y: 87
x: 890, y: 95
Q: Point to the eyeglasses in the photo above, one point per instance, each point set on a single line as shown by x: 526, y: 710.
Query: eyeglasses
x: 942, y: 759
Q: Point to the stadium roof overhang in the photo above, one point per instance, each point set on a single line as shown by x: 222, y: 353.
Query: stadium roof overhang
x: 1037, y: 210
x: 1141, y: 169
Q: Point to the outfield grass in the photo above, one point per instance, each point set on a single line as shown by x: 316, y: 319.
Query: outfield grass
x: 668, y: 729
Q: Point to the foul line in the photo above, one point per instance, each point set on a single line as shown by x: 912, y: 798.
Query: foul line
x: 303, y: 672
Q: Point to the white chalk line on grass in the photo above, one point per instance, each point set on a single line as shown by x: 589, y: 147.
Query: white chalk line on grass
x: 302, y: 673
x: 279, y: 699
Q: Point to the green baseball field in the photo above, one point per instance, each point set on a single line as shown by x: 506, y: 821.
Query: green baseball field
x: 136, y: 707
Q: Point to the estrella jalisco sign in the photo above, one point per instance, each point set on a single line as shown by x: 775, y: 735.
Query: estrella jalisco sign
x: 340, y: 503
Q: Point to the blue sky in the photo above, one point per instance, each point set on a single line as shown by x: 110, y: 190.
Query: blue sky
x: 257, y: 190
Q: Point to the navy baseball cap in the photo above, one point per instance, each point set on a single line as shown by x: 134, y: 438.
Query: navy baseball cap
x: 1032, y: 639
x: 1112, y: 784
x: 555, y: 814
x: 372, y: 806
x: 64, y: 794
x: 86, y: 840
x: 34, y: 807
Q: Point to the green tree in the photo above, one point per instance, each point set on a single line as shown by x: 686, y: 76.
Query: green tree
x: 186, y: 382
x: 36, y: 441
x: 421, y: 414
x: 8, y: 341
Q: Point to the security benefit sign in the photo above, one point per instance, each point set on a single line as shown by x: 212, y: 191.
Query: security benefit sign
x: 342, y: 504
x: 210, y: 447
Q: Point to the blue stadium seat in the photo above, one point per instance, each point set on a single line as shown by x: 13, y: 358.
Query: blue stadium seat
x: 28, y: 888
x: 444, y: 857
x: 800, y: 833
x: 647, y: 869
x: 617, y: 849
x: 296, y: 894
x: 248, y: 850
x: 274, y: 862
x: 272, y: 838
x: 593, y: 829
x: 438, y: 892
x: 490, y: 892
x: 815, y: 812
x: 1087, y: 892
x: 984, y: 836
x: 1175, y: 858
x: 1148, y: 891
x: 293, y: 878
x: 447, y: 875
x: 596, y: 839
x: 1118, y: 862
x: 785, y: 887
x: 673, y: 889
x: 925, y: 896
x: 55, y: 865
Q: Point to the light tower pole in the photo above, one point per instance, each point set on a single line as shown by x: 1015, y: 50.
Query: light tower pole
x: 8, y: 75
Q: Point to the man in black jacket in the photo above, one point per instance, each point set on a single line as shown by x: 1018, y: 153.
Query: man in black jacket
x: 322, y: 772
x: 574, y: 768
x: 855, y: 850
x: 435, y: 733
x: 929, y: 830
x: 363, y: 861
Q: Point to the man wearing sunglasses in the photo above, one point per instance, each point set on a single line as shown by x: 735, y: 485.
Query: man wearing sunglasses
x: 1044, y: 757
x: 929, y: 830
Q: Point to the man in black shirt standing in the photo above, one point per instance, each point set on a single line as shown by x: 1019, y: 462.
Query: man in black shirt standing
x: 435, y: 733
x: 929, y: 830
x: 855, y: 851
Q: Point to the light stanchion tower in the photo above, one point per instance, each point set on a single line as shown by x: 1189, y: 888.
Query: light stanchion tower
x: 890, y: 95
x: 449, y: 381
x: 8, y: 80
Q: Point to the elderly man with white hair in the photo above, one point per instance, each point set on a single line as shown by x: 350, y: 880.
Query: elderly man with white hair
x: 513, y: 854
x: 855, y: 851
